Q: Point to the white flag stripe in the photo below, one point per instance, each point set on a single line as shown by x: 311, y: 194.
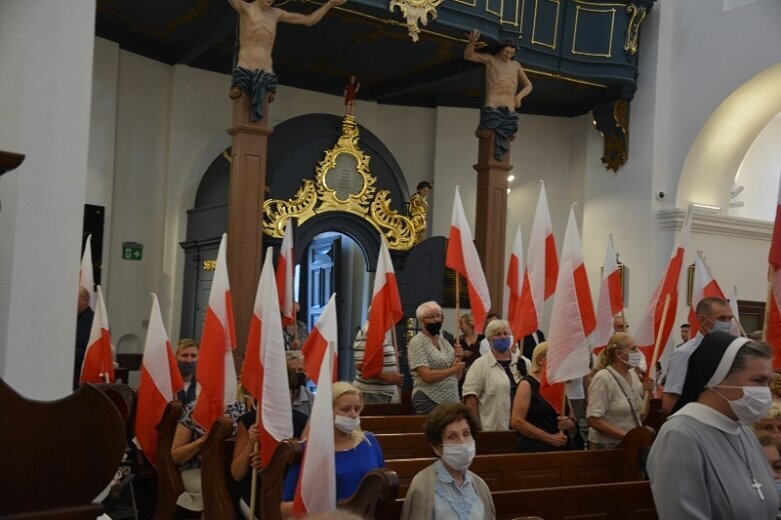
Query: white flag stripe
x: 535, y: 263
x: 86, y: 275
x: 155, y: 358
x: 217, y: 304
x: 384, y: 267
x: 604, y: 308
x: 327, y: 325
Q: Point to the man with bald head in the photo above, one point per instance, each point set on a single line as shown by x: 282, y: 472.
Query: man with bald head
x: 83, y: 326
x: 713, y: 314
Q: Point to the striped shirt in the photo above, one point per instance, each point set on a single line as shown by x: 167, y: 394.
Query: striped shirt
x: 374, y: 386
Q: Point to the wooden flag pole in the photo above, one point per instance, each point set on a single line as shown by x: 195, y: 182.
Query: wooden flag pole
x: 657, y: 344
x: 458, y: 300
x: 254, y: 494
x: 768, y: 301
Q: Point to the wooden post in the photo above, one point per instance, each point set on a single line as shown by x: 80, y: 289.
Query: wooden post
x: 245, y: 206
x: 458, y: 299
x: 491, y: 213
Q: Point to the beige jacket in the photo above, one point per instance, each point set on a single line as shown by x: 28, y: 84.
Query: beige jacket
x: 419, y: 502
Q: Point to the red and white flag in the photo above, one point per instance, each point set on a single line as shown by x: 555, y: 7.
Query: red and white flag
x: 264, y: 372
x: 160, y: 382
x: 316, y: 488
x: 611, y: 301
x: 98, y: 365
x: 572, y: 318
x: 86, y: 274
x: 772, y: 330
x: 322, y: 338
x: 515, y: 285
x: 542, y: 268
x: 216, y: 372
x: 285, y: 276
x: 733, y: 303
x: 704, y: 286
x: 462, y: 258
x: 650, y: 326
x: 385, y: 312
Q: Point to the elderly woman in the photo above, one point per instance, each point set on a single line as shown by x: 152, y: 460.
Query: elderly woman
x: 357, y: 452
x: 539, y: 426
x: 469, y: 340
x: 447, y: 489
x: 615, y: 395
x: 706, y: 462
x: 771, y: 423
x: 490, y: 384
x: 435, y: 365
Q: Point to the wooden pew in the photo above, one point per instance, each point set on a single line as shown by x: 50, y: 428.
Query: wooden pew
x: 387, y: 409
x: 415, y: 445
x: 169, y: 478
x: 57, y: 456
x: 539, y: 470
x: 393, y: 424
x: 220, y: 491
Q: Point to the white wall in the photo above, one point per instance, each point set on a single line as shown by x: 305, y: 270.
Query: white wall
x: 45, y: 89
x: 759, y: 172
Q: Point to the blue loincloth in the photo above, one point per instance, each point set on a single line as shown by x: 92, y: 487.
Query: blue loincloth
x: 504, y: 123
x: 256, y: 84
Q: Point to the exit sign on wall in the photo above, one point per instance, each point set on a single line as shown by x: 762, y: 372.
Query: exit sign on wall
x: 132, y: 251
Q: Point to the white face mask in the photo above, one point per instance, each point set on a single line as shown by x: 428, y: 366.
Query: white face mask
x: 633, y: 359
x: 459, y: 456
x: 347, y: 424
x: 753, y: 406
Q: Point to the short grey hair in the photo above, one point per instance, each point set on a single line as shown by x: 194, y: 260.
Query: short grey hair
x: 291, y: 355
x: 426, y: 307
x: 495, y: 326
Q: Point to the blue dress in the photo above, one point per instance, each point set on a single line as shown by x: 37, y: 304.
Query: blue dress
x: 351, y: 466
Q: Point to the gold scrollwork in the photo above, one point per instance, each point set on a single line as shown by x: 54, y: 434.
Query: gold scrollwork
x: 352, y: 189
x: 637, y: 15
x: 416, y: 13
x: 209, y: 265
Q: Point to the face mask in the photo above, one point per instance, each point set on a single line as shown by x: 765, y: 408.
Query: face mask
x: 458, y: 456
x: 635, y: 358
x: 722, y: 326
x: 501, y: 344
x: 433, y: 328
x: 187, y: 368
x: 753, y: 406
x: 347, y: 424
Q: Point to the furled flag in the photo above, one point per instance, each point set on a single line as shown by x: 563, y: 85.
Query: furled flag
x: 285, y: 276
x: 772, y: 330
x: 462, y: 258
x: 384, y: 313
x: 553, y: 392
x: 572, y: 318
x: 705, y: 286
x: 264, y: 372
x: 86, y: 274
x: 733, y: 303
x: 316, y: 488
x: 322, y: 338
x: 650, y: 328
x: 216, y: 372
x: 98, y: 365
x: 515, y: 285
x: 611, y: 301
x: 542, y: 268
x: 160, y: 382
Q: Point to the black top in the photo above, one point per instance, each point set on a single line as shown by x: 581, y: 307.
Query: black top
x: 83, y: 326
x: 529, y: 343
x: 474, y: 348
x: 542, y: 415
x: 187, y: 396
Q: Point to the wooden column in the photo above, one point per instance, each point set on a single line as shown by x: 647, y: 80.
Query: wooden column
x: 245, y: 210
x: 491, y: 214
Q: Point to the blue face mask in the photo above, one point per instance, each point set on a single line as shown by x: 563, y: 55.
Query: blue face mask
x: 722, y: 326
x: 501, y: 344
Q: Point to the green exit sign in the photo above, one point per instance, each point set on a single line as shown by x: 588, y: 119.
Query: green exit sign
x: 132, y: 251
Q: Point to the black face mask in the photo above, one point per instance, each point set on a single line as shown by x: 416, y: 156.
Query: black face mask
x: 433, y: 328
x: 296, y: 382
x: 187, y: 368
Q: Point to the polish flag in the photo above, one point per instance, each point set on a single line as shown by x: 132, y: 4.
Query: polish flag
x: 462, y: 258
x: 542, y: 269
x: 704, y: 286
x: 514, y: 283
x: 216, y: 372
x: 264, y: 373
x: 611, y: 301
x: 650, y: 325
x: 316, y: 488
x: 160, y: 382
x: 285, y: 276
x: 553, y: 392
x: 98, y: 365
x: 572, y: 318
x: 772, y: 330
x: 384, y: 314
x: 86, y: 274
x: 323, y: 338
x: 733, y: 303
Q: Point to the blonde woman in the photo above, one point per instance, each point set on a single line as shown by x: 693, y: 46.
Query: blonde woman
x: 357, y: 452
x: 771, y: 423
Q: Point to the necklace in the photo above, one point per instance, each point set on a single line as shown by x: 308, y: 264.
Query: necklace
x: 744, y: 459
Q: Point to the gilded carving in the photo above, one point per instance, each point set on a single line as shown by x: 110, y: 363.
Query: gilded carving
x: 416, y: 13
x: 636, y: 17
x: 343, y: 182
x: 209, y: 265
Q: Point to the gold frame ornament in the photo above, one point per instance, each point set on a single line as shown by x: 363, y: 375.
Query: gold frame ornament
x: 316, y: 197
x: 416, y: 13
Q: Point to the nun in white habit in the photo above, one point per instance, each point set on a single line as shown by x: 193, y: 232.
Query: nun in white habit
x: 706, y: 462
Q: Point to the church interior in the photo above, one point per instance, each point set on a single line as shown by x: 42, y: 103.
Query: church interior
x: 126, y: 131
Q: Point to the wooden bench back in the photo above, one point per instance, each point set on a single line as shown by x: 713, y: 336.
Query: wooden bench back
x: 393, y: 424
x: 415, y: 445
x: 169, y: 478
x: 220, y: 492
